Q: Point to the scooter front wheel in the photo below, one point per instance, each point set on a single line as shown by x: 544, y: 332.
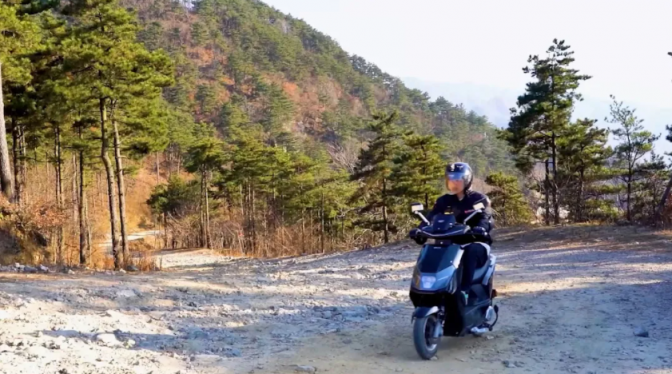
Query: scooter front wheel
x: 423, y: 336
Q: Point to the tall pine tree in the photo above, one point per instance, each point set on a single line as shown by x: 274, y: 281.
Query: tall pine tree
x: 418, y: 169
x: 543, y: 113
x: 583, y: 151
x: 373, y: 171
x: 635, y: 143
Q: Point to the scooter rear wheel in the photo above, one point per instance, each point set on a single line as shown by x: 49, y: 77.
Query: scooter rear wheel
x: 423, y: 337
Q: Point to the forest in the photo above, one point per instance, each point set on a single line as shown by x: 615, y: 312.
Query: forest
x: 228, y: 125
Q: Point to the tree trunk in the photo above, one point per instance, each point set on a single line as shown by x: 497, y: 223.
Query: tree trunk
x: 385, y: 223
x: 74, y: 197
x: 663, y: 201
x: 201, y: 213
x: 84, y: 244
x: 208, y: 239
x: 6, y: 180
x: 546, y: 191
x: 253, y: 216
x: 165, y: 231
x: 579, y: 198
x: 16, y: 149
x: 554, y: 186
x: 322, y: 220
x: 118, y: 260
x: 121, y: 190
x: 158, y: 169
x: 629, y: 217
x: 22, y: 164
x: 59, y: 189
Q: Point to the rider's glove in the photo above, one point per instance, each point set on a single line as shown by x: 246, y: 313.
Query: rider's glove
x: 478, y: 230
x: 414, y: 235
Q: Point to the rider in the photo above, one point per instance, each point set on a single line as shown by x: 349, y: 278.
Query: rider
x: 462, y: 201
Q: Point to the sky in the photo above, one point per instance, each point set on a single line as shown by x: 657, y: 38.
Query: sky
x: 449, y: 47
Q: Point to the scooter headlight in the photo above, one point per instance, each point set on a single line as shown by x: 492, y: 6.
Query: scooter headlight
x: 427, y: 281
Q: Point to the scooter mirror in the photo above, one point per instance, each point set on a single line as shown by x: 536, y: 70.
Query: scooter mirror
x: 417, y: 207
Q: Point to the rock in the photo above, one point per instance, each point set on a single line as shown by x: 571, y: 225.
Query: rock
x: 132, y: 268
x: 192, y: 304
x: 29, y: 269
x: 130, y: 343
x: 43, y: 268
x: 326, y: 271
x: 126, y: 294
x: 70, y: 272
x: 233, y: 352
x: 509, y: 364
x: 122, y: 271
x: 434, y: 358
x: 108, y: 339
x: 197, y: 334
x: 305, y: 369
x: 327, y: 315
x: 641, y: 332
x: 356, y: 312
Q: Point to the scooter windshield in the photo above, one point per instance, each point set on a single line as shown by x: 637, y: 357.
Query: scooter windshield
x: 434, y: 258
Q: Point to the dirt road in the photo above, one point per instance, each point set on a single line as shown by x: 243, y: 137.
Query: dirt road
x: 571, y: 301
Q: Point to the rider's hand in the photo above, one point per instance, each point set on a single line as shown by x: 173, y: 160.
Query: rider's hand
x: 414, y: 235
x: 478, y: 230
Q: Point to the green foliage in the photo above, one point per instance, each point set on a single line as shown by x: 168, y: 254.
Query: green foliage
x: 583, y: 153
x: 19, y: 36
x: 543, y: 114
x: 545, y: 107
x: 635, y: 143
x: 418, y: 169
x: 373, y: 171
x: 508, y: 202
x: 177, y: 198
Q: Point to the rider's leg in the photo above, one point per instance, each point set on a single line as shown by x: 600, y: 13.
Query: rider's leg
x: 475, y: 255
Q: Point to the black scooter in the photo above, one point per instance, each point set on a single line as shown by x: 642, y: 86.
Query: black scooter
x: 440, y: 308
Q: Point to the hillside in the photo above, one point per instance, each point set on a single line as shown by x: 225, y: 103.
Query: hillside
x: 224, y: 118
x: 292, y: 79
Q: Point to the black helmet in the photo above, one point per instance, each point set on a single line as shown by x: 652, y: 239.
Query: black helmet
x: 459, y: 171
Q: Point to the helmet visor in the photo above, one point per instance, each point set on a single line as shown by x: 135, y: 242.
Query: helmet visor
x: 455, y: 182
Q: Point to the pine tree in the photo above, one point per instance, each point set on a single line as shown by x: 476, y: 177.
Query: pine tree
x: 649, y: 185
x: 204, y: 157
x: 508, y: 202
x: 583, y: 151
x: 635, y: 143
x: 18, y: 37
x: 103, y: 54
x: 373, y: 171
x: 418, y: 169
x: 543, y: 113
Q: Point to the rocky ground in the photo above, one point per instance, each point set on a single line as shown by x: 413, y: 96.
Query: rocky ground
x: 573, y: 300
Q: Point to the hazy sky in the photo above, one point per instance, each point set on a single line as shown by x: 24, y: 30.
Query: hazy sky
x: 622, y: 44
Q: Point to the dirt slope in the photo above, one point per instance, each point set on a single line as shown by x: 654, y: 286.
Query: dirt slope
x: 571, y: 301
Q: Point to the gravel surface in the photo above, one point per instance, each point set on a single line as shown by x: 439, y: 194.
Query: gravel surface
x: 573, y: 300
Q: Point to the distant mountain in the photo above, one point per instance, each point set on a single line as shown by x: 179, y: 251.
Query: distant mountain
x: 494, y: 103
